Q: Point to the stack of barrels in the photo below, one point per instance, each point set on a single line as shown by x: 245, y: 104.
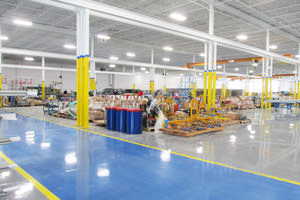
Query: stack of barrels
x: 124, y: 120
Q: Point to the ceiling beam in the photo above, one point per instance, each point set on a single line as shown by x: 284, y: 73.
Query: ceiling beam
x: 129, y: 17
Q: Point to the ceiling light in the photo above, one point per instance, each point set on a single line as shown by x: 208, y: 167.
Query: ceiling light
x: 231, y: 61
x: 219, y: 66
x: 103, y: 37
x: 70, y: 46
x: 168, y: 48
x: 254, y: 64
x: 113, y: 58
x: 130, y: 54
x: 251, y: 71
x: 236, y: 69
x: 3, y: 37
x: 143, y: 68
x: 29, y: 58
x: 202, y: 54
x: 177, y: 16
x: 147, y: 72
x: 242, y: 37
x: 273, y: 47
x: 112, y: 65
x: 22, y: 22
x: 165, y: 59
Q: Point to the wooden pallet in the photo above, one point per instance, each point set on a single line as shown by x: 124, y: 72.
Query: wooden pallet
x: 99, y: 122
x: 192, y: 133
x: 149, y: 129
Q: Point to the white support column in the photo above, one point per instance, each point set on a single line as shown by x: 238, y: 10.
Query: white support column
x: 82, y: 82
x: 152, y: 73
x: 0, y: 67
x: 43, y: 70
x: 93, y: 77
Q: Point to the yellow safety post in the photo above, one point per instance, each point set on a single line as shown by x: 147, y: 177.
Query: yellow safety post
x: 78, y: 86
x: 209, y: 91
x: 266, y: 91
x: 85, y: 92
x: 193, y: 90
x: 92, y: 84
x: 165, y: 88
x: 295, y: 89
x: 133, y: 86
x: 204, y: 87
x: 262, y: 94
x: 0, y: 89
x: 43, y: 90
x: 270, y: 94
x: 214, y: 89
x: 152, y: 87
x: 298, y: 90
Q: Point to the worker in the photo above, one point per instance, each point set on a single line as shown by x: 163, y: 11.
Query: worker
x: 65, y: 92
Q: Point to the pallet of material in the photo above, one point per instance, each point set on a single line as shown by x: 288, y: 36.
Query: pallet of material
x: 60, y: 115
x: 191, y: 133
x: 99, y: 122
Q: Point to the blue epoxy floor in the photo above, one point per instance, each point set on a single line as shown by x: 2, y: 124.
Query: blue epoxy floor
x: 77, y: 165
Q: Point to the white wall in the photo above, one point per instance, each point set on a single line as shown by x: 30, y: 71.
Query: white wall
x: 141, y: 80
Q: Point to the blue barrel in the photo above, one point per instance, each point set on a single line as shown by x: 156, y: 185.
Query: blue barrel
x: 110, y: 118
x: 121, y: 119
x: 134, y: 121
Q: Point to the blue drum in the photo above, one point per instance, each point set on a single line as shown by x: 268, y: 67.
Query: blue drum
x: 121, y: 115
x: 134, y: 121
x: 111, y: 118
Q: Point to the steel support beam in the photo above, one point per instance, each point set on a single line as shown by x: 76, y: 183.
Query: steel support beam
x: 129, y: 17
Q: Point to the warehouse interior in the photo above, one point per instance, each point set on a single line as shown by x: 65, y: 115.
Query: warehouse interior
x: 135, y: 99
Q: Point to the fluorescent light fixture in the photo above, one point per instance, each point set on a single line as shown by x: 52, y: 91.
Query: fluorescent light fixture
x: 231, y: 61
x: 254, y: 64
x: 22, y: 22
x: 168, y: 48
x: 251, y: 71
x: 143, y: 68
x: 219, y: 66
x: 113, y: 58
x: 236, y: 69
x: 202, y: 54
x: 29, y: 58
x: 3, y: 37
x: 177, y: 16
x: 69, y: 46
x: 112, y: 65
x: 165, y: 59
x: 147, y: 72
x: 242, y: 37
x: 130, y: 54
x: 103, y: 36
x: 273, y: 46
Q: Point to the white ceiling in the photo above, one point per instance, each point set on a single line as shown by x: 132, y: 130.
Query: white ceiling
x: 55, y: 27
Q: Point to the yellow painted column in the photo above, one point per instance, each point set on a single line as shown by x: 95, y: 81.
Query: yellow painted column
x: 133, y: 86
x: 165, y: 88
x: 266, y: 91
x: 92, y: 84
x: 152, y: 87
x: 193, y: 90
x: 262, y: 93
x: 43, y: 90
x: 298, y: 90
x: 0, y: 88
x: 85, y: 92
x: 78, y: 86
x: 214, y: 89
x: 205, y: 87
x: 295, y: 89
x: 270, y: 94
x: 209, y: 91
